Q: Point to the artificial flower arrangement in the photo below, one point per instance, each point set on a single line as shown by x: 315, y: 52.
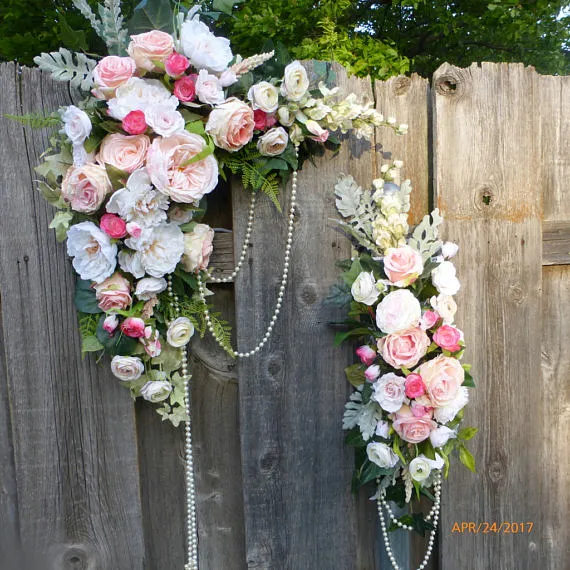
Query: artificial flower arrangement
x: 404, y: 417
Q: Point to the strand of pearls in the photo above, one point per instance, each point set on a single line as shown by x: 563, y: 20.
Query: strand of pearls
x: 284, y: 275
x: 191, y: 525
x: 433, y: 515
x: 244, y: 247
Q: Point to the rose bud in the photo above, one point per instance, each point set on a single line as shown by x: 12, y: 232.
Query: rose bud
x: 185, y: 88
x: 133, y: 327
x: 176, y: 64
x: 110, y: 323
x: 135, y: 123
x: 429, y: 320
x: 372, y: 372
x: 134, y: 229
x: 366, y: 354
x: 448, y: 337
x: 113, y: 226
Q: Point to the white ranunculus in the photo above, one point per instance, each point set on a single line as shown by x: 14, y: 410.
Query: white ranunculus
x: 398, y: 311
x: 264, y: 96
x: 209, y: 90
x: 440, y: 436
x: 364, y: 289
x: 449, y: 249
x: 383, y: 429
x: 127, y: 368
x: 389, y: 392
x: 446, y: 307
x: 447, y: 413
x: 420, y: 468
x: 150, y: 287
x: 156, y: 391
x: 164, y: 122
x: 131, y: 263
x: 295, y: 82
x: 285, y: 116
x: 76, y: 124
x: 94, y: 256
x: 273, y: 142
x: 203, y: 48
x: 381, y: 455
x: 139, y: 202
x: 444, y: 278
x: 160, y: 248
x: 180, y: 332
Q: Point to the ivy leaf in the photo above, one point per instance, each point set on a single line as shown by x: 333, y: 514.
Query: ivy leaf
x: 84, y: 297
x: 355, y: 375
x: 466, y: 458
x: 91, y: 344
x: 468, y: 382
x: 152, y: 15
x: 60, y: 224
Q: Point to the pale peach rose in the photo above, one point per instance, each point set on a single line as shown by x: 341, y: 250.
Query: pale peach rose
x: 150, y: 47
x: 125, y: 152
x: 231, y: 124
x: 111, y: 72
x: 113, y: 293
x: 198, y: 248
x: 442, y: 376
x: 172, y: 174
x: 404, y: 349
x: 411, y: 428
x: 403, y: 265
x: 85, y: 187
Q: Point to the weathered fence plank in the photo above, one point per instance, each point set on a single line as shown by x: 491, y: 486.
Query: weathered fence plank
x: 487, y: 176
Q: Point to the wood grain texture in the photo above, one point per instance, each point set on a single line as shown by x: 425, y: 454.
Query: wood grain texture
x: 222, y: 261
x: 72, y: 424
x: 556, y: 242
x: 487, y: 177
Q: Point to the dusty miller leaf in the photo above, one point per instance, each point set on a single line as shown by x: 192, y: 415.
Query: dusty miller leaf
x: 365, y: 416
x: 425, y: 237
x: 64, y: 65
x: 348, y: 195
x: 112, y: 27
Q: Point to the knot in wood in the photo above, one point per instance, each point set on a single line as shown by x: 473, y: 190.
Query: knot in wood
x: 402, y: 85
x: 308, y: 293
x: 517, y: 294
x: 496, y: 471
x: 76, y: 557
x: 269, y: 462
x: 447, y: 85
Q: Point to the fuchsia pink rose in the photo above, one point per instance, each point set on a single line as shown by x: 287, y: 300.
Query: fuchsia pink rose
x: 404, y: 349
x: 134, y: 123
x: 263, y: 120
x: 113, y: 293
x: 185, y: 88
x: 176, y: 64
x: 125, y: 152
x: 448, y: 337
x: 415, y: 386
x: 133, y: 327
x: 366, y: 354
x: 443, y: 377
x: 411, y: 428
x: 429, y: 319
x: 149, y: 48
x: 113, y: 226
x: 403, y: 265
x: 110, y: 73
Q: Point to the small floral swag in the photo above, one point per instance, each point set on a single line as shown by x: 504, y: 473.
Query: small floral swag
x: 404, y: 418
x: 166, y: 114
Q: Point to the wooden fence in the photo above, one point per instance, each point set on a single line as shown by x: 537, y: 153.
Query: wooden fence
x: 89, y: 481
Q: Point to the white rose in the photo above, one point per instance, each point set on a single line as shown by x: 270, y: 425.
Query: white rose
x: 420, y: 468
x: 295, y: 82
x: 209, y: 89
x: 264, y: 96
x: 444, y: 278
x: 446, y: 308
x: 449, y: 249
x: 273, y: 142
x: 94, y: 256
x: 383, y: 429
x: 179, y: 332
x: 156, y: 391
x: 390, y: 391
x: 164, y: 122
x: 285, y: 116
x: 364, y: 289
x: 150, y: 287
x: 127, y: 368
x: 440, y: 436
x: 381, y: 455
x: 76, y: 124
x: 447, y: 413
x: 398, y: 311
x: 203, y: 48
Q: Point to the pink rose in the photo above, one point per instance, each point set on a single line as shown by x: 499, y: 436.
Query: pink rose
x: 151, y: 342
x: 85, y: 187
x: 172, y: 174
x: 113, y: 293
x: 403, y: 265
x: 151, y: 47
x: 134, y: 229
x: 231, y: 124
x: 176, y: 64
x: 198, y: 248
x: 411, y: 428
x: 134, y: 123
x: 113, y: 226
x: 125, y: 152
x: 404, y: 349
x: 185, y: 88
x: 372, y: 372
x: 133, y: 327
x: 442, y: 376
x: 429, y: 320
x: 111, y: 72
x: 263, y: 120
x: 448, y: 337
x: 110, y: 323
x: 366, y: 354
x: 421, y: 411
x: 415, y: 386
x: 389, y: 392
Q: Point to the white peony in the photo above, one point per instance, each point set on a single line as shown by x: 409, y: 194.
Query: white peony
x: 139, y: 202
x: 94, y: 256
x: 209, y: 90
x: 447, y: 413
x: 398, y: 311
x: 76, y: 124
x: 264, y: 96
x: 203, y: 48
x: 150, y: 287
x: 127, y: 368
x: 295, y: 82
x: 446, y: 307
x: 381, y: 455
x: 273, y: 142
x: 156, y: 391
x: 440, y: 436
x: 390, y: 391
x: 131, y: 263
x: 364, y: 289
x: 179, y: 332
x: 164, y: 121
x: 444, y: 278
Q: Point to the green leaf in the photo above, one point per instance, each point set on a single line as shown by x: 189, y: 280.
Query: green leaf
x: 396, y: 449
x: 355, y: 374
x: 349, y: 277
x: 91, y: 344
x: 226, y: 6
x: 466, y: 458
x: 468, y: 382
x: 117, y: 176
x: 84, y: 297
x: 93, y: 142
x: 276, y: 164
x: 152, y: 15
x: 118, y: 343
x: 340, y: 337
x: 60, y: 223
x: 467, y: 433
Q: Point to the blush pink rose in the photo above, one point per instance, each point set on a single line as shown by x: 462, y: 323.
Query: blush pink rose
x: 111, y: 72
x: 372, y: 372
x: 133, y: 327
x: 172, y: 174
x: 429, y: 319
x: 404, y: 349
x: 442, y: 376
x: 134, y: 229
x: 231, y: 124
x: 113, y: 293
x: 134, y: 123
x: 403, y: 265
x: 263, y: 120
x: 411, y: 428
x: 366, y: 354
x: 176, y: 64
x: 185, y: 88
x: 151, y: 47
x: 421, y: 411
x: 110, y: 323
x: 198, y: 248
x: 85, y: 187
x: 415, y: 386
x: 113, y: 226
x: 448, y: 337
x: 125, y: 152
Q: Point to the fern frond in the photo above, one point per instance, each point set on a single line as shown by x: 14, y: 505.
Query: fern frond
x: 223, y: 332
x: 112, y: 31
x: 37, y: 120
x: 89, y: 15
x: 64, y: 67
x: 88, y: 324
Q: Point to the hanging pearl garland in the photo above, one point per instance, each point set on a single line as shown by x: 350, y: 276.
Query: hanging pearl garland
x: 433, y: 515
x: 284, y: 275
